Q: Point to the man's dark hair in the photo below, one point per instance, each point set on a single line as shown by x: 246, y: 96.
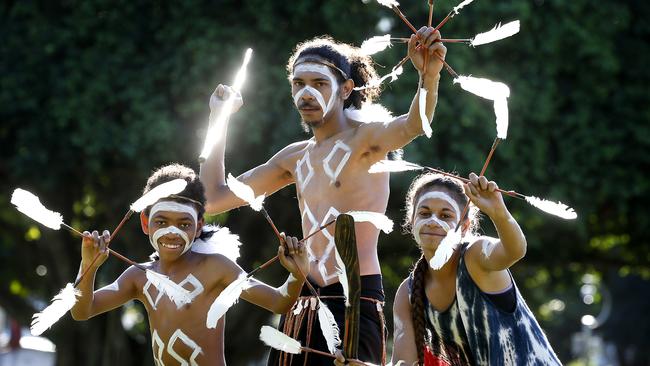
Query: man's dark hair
x: 347, y: 59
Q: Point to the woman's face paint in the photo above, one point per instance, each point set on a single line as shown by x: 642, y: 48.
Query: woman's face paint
x: 429, y: 206
x: 165, y: 211
x: 310, y: 67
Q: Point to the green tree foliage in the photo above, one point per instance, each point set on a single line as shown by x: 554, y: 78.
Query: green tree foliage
x: 96, y: 94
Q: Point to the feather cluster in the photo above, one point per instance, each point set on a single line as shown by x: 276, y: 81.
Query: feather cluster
x: 445, y: 249
x: 343, y: 277
x: 164, y: 190
x: 227, y: 298
x: 278, y: 340
x: 29, y: 204
x: 61, y: 304
x: 329, y: 327
x: 245, y: 192
x: 388, y: 3
x: 422, y: 104
x: 491, y: 90
x: 375, y: 44
x: 369, y: 112
x: 554, y: 208
x: 461, y: 5
x: 174, y: 291
x: 497, y: 33
x: 393, y: 166
x: 380, y: 221
x: 375, y: 83
x: 221, y: 242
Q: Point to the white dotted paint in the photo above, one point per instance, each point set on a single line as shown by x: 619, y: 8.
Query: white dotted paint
x: 334, y: 173
x: 196, y: 350
x: 303, y: 179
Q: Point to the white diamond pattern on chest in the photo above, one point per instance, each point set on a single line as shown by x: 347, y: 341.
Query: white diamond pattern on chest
x: 149, y: 290
x: 157, y: 346
x: 304, y: 171
x: 196, y: 350
x: 306, y: 213
x: 333, y: 172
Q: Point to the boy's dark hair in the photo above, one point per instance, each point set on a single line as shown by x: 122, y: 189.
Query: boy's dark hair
x: 194, y: 193
x: 349, y: 63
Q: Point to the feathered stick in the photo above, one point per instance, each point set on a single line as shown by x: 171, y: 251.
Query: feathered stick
x: 554, y: 208
x: 227, y: 298
x: 282, y: 342
x: 453, y: 13
x: 29, y: 204
x: 377, y: 44
x: 497, y: 33
x: 61, y: 304
x: 491, y: 90
x: 215, y: 131
x: 161, y: 191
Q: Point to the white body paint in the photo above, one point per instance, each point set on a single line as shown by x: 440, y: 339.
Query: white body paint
x: 325, y: 71
x: 112, y: 287
x: 172, y: 206
x: 190, y: 279
x: 158, y: 347
x: 334, y: 173
x: 419, y: 223
x: 303, y: 179
x: 332, y: 213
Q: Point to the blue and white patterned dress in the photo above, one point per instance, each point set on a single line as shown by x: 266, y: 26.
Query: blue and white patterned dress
x: 473, y: 331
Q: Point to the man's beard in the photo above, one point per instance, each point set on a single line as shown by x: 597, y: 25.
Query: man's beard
x: 308, y: 126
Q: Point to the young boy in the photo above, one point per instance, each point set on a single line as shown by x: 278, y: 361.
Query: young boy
x: 180, y: 335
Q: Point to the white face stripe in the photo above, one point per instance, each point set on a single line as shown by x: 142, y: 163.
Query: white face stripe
x: 174, y: 206
x: 418, y: 224
x: 440, y: 195
x: 323, y: 70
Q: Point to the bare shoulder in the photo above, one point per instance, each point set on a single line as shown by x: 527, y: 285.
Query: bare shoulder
x: 480, y: 246
x: 219, y: 267
x: 401, y: 302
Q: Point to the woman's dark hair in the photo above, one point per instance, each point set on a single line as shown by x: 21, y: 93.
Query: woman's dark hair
x: 348, y: 59
x: 422, y: 184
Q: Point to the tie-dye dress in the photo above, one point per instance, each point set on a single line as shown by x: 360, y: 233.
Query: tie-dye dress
x: 473, y: 331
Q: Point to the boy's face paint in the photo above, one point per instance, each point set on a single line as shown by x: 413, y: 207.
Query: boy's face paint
x: 315, y: 80
x: 173, y: 221
x: 435, y: 214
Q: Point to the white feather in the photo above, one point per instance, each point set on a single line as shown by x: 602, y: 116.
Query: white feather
x: 29, y: 204
x: 245, y: 192
x: 497, y: 33
x: 278, y: 340
x: 461, y: 5
x: 175, y: 292
x: 422, y: 104
x: 386, y: 166
x: 240, y: 77
x: 445, y: 249
x: 484, y: 88
x: 379, y: 220
x: 61, y: 304
x: 388, y: 3
x: 369, y: 112
x: 164, y: 190
x: 227, y: 298
x: 329, y: 327
x: 375, y: 44
x: 393, y: 75
x: 554, y: 208
x: 501, y: 111
x: 221, y: 242
x: 343, y: 277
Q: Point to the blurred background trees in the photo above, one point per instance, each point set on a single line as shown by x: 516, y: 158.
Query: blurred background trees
x: 96, y: 94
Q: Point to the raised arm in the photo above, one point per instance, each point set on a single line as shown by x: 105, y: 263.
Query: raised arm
x: 266, y: 178
x: 91, y: 302
x: 511, y: 244
x: 404, y: 348
x: 402, y: 130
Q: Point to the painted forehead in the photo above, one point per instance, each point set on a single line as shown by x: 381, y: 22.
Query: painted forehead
x: 440, y: 195
x: 162, y: 207
x: 311, y: 59
x: 316, y: 68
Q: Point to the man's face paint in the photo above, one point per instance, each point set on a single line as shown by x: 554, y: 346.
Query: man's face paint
x: 172, y: 206
x: 323, y: 70
x: 420, y: 222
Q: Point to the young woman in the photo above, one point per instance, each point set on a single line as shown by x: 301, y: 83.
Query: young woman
x: 468, y: 311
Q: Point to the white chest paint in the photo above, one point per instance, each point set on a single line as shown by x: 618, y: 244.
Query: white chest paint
x: 158, y: 347
x: 153, y: 296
